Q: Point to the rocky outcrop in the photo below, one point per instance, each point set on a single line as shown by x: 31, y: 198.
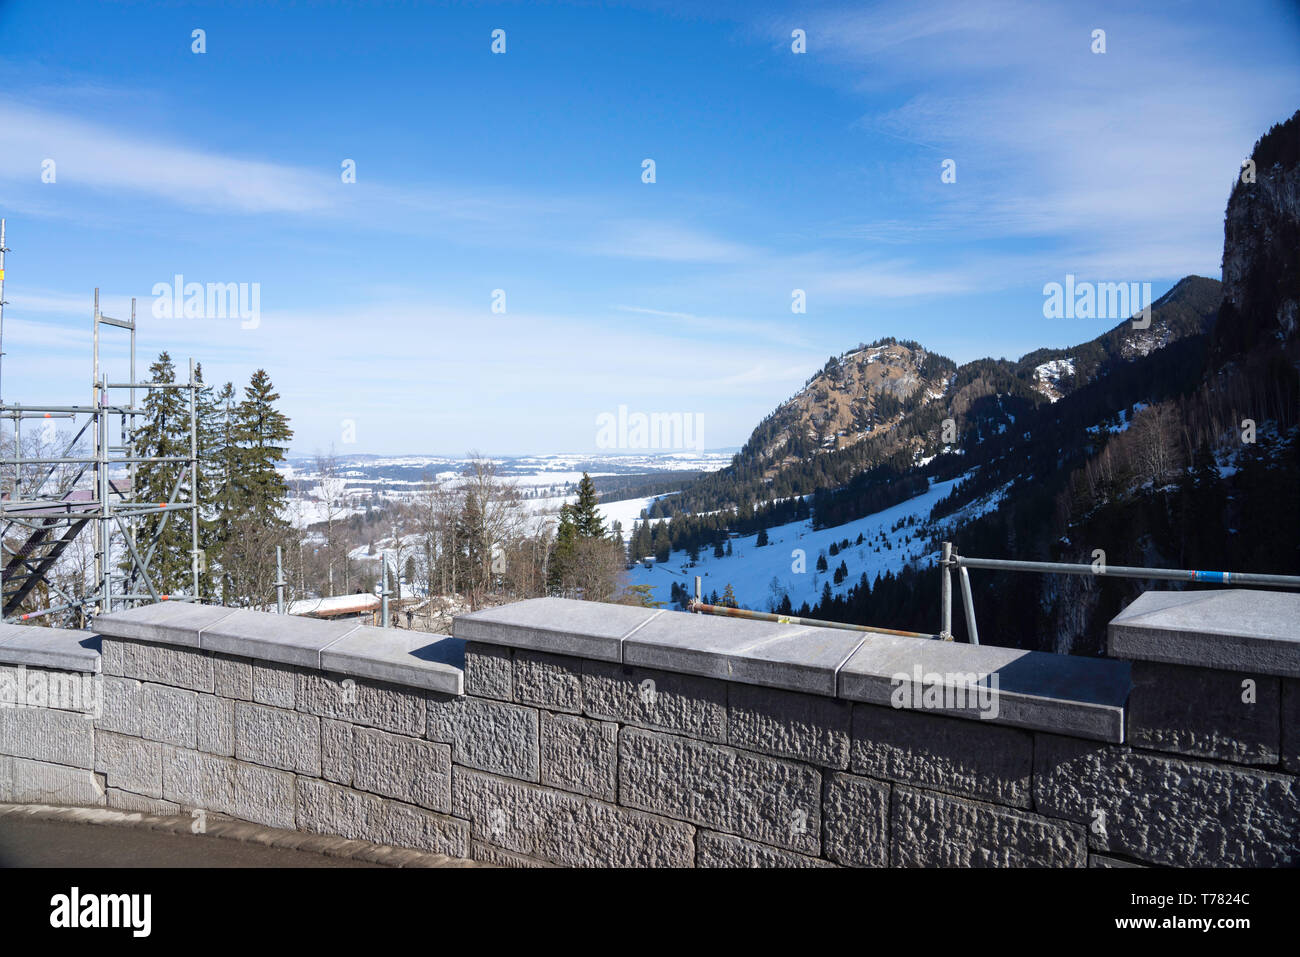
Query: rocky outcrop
x: 1261, y: 246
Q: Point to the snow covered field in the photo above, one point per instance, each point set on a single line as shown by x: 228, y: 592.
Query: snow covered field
x: 751, y: 570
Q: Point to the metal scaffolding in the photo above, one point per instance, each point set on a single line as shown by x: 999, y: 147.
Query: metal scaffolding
x: 47, y: 501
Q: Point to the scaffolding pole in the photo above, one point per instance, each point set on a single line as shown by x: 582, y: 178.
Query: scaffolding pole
x: 47, y: 508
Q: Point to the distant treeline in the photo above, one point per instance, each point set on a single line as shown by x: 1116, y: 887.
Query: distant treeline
x: 618, y: 488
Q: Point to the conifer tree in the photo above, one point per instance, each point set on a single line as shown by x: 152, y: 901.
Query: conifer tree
x: 566, y: 536
x: 262, y: 433
x: 163, y: 432
x: 586, y: 511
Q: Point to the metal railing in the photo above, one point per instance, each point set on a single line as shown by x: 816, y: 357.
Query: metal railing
x: 698, y: 606
x: 949, y: 559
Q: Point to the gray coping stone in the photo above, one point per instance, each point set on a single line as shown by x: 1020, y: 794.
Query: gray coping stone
x: 166, y: 623
x: 398, y: 656
x: 1236, y: 629
x: 59, y: 648
x: 284, y: 638
x: 754, y: 652
x: 1083, y: 697
x: 563, y: 626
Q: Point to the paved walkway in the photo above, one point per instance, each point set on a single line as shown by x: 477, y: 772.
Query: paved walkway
x: 44, y: 836
x: 40, y: 843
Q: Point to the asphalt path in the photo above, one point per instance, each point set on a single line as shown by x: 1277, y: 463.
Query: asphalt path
x: 33, y: 842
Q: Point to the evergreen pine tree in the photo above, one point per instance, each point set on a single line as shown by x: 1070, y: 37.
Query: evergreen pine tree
x: 566, y: 537
x: 163, y: 432
x: 262, y: 431
x: 586, y: 511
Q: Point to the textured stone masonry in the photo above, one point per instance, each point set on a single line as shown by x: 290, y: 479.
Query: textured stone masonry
x: 557, y: 733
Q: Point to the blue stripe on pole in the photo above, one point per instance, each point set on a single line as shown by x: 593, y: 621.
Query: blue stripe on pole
x: 1212, y: 576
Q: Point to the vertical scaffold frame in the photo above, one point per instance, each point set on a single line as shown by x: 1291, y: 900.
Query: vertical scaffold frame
x: 40, y: 518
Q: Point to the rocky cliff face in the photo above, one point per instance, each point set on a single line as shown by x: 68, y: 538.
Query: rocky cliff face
x: 1261, y: 249
x: 856, y: 394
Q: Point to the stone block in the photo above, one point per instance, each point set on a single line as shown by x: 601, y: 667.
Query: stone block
x: 789, y: 724
x: 118, y: 657
x: 970, y: 758
x: 496, y: 857
x: 336, y: 751
x: 769, y: 800
x: 406, y: 826
x: 362, y: 702
x: 121, y: 705
x: 1290, y: 714
x: 937, y: 830
x: 130, y: 764
x: 411, y: 770
x: 855, y: 821
x: 1202, y: 713
x: 264, y: 796
x: 275, y: 738
x: 160, y: 664
x: 169, y: 715
x: 126, y: 801
x: 325, y: 808
x: 578, y: 754
x: 232, y: 677
x: 567, y: 829
x: 47, y: 734
x: 727, y: 850
x: 487, y: 735
x: 274, y: 684
x: 24, y: 781
x: 548, y: 681
x: 489, y: 671
x: 197, y: 780
x: 659, y: 700
x: 1168, y: 810
x: 1101, y: 860
x: 215, y: 731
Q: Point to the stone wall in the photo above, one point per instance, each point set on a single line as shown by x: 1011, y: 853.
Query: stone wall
x: 563, y: 733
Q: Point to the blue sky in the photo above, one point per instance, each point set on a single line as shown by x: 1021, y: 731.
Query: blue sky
x: 522, y: 172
